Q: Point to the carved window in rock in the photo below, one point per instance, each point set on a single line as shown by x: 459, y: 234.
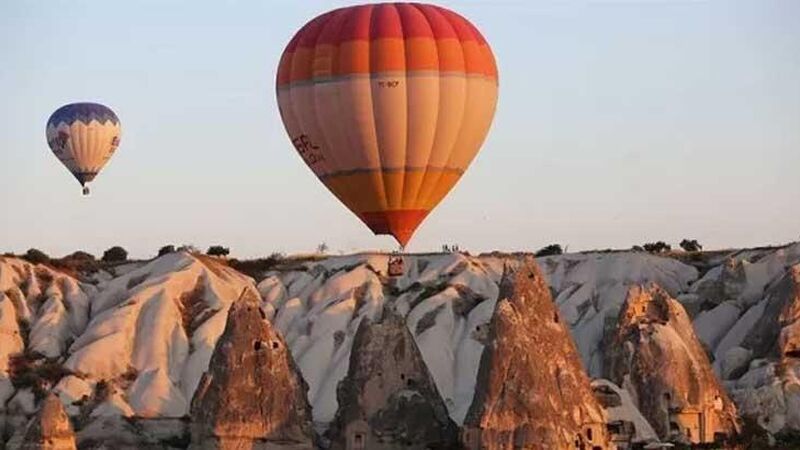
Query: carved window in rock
x: 358, y: 441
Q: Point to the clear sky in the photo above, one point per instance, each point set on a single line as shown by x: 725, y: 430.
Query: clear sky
x: 618, y: 122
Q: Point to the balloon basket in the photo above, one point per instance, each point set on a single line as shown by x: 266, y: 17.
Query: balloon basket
x: 396, y: 266
x: 85, y: 190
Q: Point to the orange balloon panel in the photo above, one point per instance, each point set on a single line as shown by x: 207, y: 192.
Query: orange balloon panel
x: 388, y: 104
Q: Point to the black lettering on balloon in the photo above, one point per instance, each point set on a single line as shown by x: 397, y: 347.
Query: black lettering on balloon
x: 307, y: 149
x: 114, y: 144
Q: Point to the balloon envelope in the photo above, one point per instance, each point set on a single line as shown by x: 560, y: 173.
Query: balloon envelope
x: 388, y: 104
x: 83, y: 136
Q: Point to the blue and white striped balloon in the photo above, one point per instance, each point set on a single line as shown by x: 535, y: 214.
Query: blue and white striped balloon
x: 83, y: 136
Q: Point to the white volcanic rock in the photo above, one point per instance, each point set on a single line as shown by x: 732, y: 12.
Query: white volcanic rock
x: 23, y: 403
x: 114, y: 405
x: 446, y: 298
x: 745, y: 275
x: 769, y: 391
x: 590, y: 289
x: 712, y: 325
x: 155, y: 328
x: 53, y: 306
x: 72, y: 390
x: 620, y: 408
x: 147, y: 329
x: 443, y: 297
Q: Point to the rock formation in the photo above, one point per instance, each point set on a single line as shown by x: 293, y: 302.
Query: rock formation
x: 125, y: 433
x: 532, y: 391
x: 50, y: 428
x: 769, y: 391
x: 626, y: 426
x: 252, y: 396
x: 656, y: 356
x: 388, y: 400
x: 777, y: 332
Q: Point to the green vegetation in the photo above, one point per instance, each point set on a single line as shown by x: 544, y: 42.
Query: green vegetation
x: 550, y: 250
x: 36, y: 256
x: 115, y: 254
x: 218, y: 250
x: 165, y: 250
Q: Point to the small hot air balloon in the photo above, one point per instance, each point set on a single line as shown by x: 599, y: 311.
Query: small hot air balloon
x: 83, y: 136
x: 388, y: 104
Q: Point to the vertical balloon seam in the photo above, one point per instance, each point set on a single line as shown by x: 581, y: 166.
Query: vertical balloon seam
x: 427, y: 166
x: 487, y: 60
x: 430, y: 194
x: 81, y: 149
x: 366, y: 151
x: 409, y: 141
x: 350, y: 140
x: 342, y: 190
x: 295, y: 100
x: 370, y: 62
x: 338, y: 20
x: 432, y: 174
x: 470, y: 97
x: 331, y: 158
x: 90, y: 143
x: 367, y: 143
x: 98, y: 140
x: 405, y: 147
x: 378, y: 179
x: 424, y: 169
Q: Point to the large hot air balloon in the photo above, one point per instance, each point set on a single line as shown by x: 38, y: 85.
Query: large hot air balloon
x: 83, y: 136
x: 388, y: 104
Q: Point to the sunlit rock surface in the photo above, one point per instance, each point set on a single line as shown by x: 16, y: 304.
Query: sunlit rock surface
x: 133, y: 340
x: 531, y: 390
x: 656, y: 356
x: 252, y: 395
x: 388, y: 400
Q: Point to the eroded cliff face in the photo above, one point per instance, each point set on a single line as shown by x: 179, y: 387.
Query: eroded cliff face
x: 531, y: 390
x: 767, y: 371
x: 50, y: 428
x: 776, y: 334
x: 124, y: 348
x: 388, y: 400
x: 252, y: 395
x: 656, y: 356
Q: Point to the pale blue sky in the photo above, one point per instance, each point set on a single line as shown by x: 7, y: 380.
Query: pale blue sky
x: 618, y: 122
